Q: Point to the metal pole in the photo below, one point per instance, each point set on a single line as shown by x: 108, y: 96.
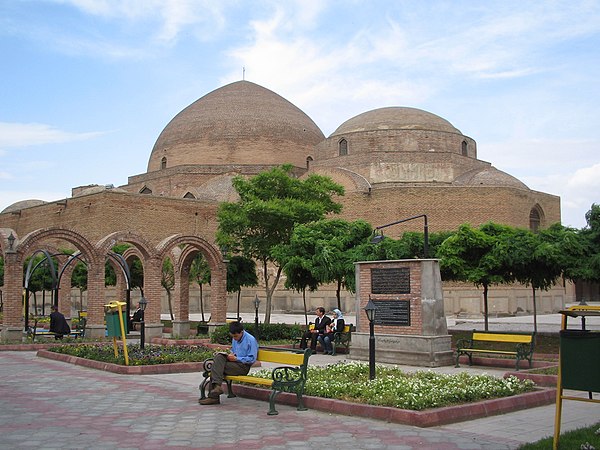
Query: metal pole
x: 256, y: 321
x: 371, y: 350
x: 142, y: 330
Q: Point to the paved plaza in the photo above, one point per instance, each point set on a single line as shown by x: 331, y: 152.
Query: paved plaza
x: 54, y: 405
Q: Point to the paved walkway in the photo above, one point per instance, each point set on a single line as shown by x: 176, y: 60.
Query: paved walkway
x: 53, y: 405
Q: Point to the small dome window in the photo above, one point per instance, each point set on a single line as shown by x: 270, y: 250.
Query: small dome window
x: 465, y: 148
x: 309, y: 159
x: 189, y: 195
x: 343, y: 147
x: 535, y: 218
x: 163, y: 162
x: 146, y: 190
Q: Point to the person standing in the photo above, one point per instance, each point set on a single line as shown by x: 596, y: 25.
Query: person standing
x: 244, y: 351
x: 58, y: 323
x: 321, y: 323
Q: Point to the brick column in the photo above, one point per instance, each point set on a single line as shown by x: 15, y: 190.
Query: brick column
x: 96, y: 299
x: 153, y: 294
x: 12, y: 292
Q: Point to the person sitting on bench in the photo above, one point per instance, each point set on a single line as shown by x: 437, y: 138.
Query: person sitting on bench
x: 321, y: 323
x: 244, y: 350
x: 58, y: 323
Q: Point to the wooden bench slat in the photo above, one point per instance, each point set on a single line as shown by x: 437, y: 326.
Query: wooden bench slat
x: 249, y: 379
x: 291, y: 359
x: 516, y: 338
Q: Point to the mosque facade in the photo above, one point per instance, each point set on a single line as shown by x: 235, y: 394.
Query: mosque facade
x: 394, y: 163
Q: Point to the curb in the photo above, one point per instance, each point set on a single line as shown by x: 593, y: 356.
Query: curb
x: 182, y: 367
x: 422, y: 419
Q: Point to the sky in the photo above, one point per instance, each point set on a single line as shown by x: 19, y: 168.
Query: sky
x: 86, y: 86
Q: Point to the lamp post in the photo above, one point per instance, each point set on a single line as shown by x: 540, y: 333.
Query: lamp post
x: 377, y: 238
x: 143, y: 303
x: 256, y: 305
x: 370, y: 311
x: 11, y: 241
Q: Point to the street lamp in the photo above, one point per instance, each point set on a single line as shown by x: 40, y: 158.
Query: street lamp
x: 377, y: 238
x: 11, y: 241
x: 370, y: 311
x: 256, y: 305
x: 143, y: 303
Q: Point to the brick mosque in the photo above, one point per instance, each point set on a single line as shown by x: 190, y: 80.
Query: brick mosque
x: 394, y: 162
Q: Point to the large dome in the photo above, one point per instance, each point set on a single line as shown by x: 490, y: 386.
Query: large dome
x: 395, y: 118
x: 240, y: 123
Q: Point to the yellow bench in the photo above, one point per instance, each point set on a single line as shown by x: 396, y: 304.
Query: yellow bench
x: 340, y: 338
x: 288, y: 378
x: 519, y: 345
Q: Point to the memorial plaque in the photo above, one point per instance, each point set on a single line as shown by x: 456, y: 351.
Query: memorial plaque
x: 392, y: 312
x: 390, y: 281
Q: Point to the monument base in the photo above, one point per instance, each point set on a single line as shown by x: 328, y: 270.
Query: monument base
x: 425, y: 351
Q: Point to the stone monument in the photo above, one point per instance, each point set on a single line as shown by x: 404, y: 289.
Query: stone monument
x: 410, y: 325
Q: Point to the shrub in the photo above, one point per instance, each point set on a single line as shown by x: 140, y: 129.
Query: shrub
x: 268, y: 332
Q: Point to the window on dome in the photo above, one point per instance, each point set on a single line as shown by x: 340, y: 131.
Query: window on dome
x: 163, y: 163
x: 343, y: 147
x: 535, y: 218
x: 189, y: 195
x: 308, y: 161
x: 146, y: 190
x: 465, y: 148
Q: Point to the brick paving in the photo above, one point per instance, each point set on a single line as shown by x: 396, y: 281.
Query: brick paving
x: 54, y: 405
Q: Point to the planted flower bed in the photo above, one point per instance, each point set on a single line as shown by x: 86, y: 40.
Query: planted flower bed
x: 151, y: 355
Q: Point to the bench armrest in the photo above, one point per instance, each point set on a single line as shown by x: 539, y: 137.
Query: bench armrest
x: 286, y: 374
x: 464, y: 343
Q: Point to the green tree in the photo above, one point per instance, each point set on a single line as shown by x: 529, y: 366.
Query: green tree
x: 200, y: 273
x: 468, y: 255
x: 167, y: 281
x: 324, y: 249
x: 270, y: 204
x: 241, y: 272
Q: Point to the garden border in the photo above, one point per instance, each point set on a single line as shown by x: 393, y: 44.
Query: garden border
x: 427, y: 418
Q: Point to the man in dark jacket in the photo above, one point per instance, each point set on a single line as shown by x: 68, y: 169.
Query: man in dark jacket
x: 58, y: 324
x: 321, y: 323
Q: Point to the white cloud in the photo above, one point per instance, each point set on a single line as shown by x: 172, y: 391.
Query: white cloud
x: 13, y: 135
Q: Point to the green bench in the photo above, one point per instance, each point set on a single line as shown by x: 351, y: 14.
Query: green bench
x: 288, y: 378
x: 518, y: 345
x: 340, y: 338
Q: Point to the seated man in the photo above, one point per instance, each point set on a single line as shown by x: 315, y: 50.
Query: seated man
x: 321, y: 323
x: 244, y: 350
x: 58, y: 323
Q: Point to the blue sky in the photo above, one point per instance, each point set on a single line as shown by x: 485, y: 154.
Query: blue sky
x: 86, y: 86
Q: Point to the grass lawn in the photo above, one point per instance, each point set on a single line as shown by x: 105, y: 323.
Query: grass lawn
x: 575, y: 439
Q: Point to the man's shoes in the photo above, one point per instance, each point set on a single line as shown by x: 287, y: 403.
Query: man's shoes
x: 216, y: 391
x: 209, y: 401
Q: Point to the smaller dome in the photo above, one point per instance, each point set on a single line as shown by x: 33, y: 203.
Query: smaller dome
x: 22, y: 205
x: 98, y: 188
x: 395, y: 118
x: 489, y: 176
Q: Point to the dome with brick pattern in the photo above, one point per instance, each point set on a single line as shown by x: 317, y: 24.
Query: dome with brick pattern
x: 241, y: 123
x: 395, y: 118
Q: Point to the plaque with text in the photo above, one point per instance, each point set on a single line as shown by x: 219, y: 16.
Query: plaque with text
x: 390, y: 281
x: 392, y: 312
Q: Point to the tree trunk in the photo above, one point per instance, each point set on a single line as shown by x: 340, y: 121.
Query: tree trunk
x: 201, y: 302
x: 238, y: 303
x: 337, y: 294
x: 485, y: 306
x: 534, y: 311
x: 269, y: 290
x: 170, y: 304
x: 305, y: 311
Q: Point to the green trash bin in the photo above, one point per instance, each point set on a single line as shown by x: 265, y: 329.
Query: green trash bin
x: 580, y: 360
x: 113, y: 325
